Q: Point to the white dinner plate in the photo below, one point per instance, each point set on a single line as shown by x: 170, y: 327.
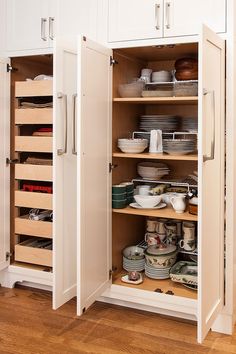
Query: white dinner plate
x: 137, y: 206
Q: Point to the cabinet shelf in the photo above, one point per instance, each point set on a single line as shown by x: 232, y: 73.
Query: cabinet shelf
x: 158, y: 100
x: 167, y: 213
x: 156, y: 156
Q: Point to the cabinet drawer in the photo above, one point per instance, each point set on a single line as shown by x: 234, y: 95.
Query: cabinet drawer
x: 33, y: 143
x: 24, y: 226
x: 33, y: 172
x: 33, y: 88
x: 33, y: 116
x: 33, y: 200
x: 27, y: 254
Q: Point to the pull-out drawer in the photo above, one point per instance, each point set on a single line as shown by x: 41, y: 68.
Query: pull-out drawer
x: 33, y: 116
x: 33, y: 143
x: 25, y: 252
x: 33, y: 172
x: 33, y: 88
x: 33, y: 200
x: 24, y: 226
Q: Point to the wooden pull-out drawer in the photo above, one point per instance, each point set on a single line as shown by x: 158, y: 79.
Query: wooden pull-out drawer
x: 33, y: 200
x: 33, y: 172
x: 25, y: 253
x: 24, y: 226
x: 33, y: 143
x: 33, y: 88
x: 33, y: 116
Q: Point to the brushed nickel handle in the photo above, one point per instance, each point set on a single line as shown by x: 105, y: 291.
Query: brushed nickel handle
x: 157, y: 16
x: 168, y: 15
x: 63, y: 97
x: 43, y: 28
x: 74, y: 98
x: 212, y: 154
x: 51, y: 27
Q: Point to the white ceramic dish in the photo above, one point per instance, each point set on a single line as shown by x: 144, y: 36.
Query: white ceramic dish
x: 137, y: 206
x: 148, y: 201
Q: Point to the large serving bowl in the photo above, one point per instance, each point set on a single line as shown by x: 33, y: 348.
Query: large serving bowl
x: 132, y: 146
x: 148, y: 201
x: 161, y: 256
x: 133, y: 253
x: 152, y: 170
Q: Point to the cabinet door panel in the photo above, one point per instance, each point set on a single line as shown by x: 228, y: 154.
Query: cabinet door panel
x: 211, y: 179
x: 5, y: 170
x: 135, y: 19
x: 94, y: 155
x: 24, y: 27
x: 185, y: 17
x: 64, y: 172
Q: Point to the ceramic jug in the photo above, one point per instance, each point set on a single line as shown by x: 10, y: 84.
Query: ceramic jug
x: 178, y: 203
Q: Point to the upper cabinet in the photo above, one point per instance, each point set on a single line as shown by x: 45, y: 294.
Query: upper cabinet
x: 146, y: 19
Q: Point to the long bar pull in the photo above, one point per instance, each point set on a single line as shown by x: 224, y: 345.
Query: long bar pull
x: 63, y: 97
x: 43, y: 28
x: 212, y: 154
x: 51, y: 27
x: 74, y: 98
x: 157, y: 16
x: 168, y: 15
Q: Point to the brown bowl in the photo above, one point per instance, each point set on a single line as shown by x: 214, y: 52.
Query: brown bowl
x: 193, y: 209
x: 186, y: 75
x: 186, y: 64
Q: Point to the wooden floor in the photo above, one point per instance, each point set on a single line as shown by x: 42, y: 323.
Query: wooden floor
x: 29, y: 326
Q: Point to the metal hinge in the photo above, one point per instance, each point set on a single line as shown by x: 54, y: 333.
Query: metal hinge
x: 10, y: 68
x: 11, y: 161
x: 111, y: 271
x: 8, y: 255
x: 112, y: 166
x: 113, y: 61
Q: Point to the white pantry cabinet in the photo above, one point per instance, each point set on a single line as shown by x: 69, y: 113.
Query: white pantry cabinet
x: 146, y: 19
x: 103, y: 233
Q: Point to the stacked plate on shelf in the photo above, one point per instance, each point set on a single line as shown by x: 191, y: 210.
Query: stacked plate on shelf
x: 156, y: 273
x: 152, y: 170
x: 179, y: 146
x: 189, y: 124
x: 168, y: 123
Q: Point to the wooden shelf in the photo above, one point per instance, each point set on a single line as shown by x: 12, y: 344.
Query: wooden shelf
x: 158, y: 100
x: 33, y: 200
x: 24, y: 226
x: 33, y: 116
x: 33, y: 172
x: 156, y: 156
x: 152, y: 285
x: 167, y: 213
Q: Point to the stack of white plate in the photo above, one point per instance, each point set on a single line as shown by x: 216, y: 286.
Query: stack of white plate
x: 168, y: 123
x: 157, y: 273
x: 131, y: 265
x: 179, y: 146
x: 189, y: 124
x: 132, y: 146
x: 152, y: 170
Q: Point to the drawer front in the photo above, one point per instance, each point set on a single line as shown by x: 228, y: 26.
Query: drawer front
x: 33, y: 255
x: 33, y: 172
x: 34, y: 116
x: 33, y: 143
x: 33, y: 88
x: 28, y: 227
x: 33, y: 200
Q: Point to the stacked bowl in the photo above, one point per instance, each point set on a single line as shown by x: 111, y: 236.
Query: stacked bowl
x: 133, y: 259
x: 122, y: 195
x: 152, y: 170
x: 179, y: 146
x: 132, y: 146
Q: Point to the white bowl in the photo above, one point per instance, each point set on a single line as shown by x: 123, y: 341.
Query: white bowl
x: 148, y: 201
x: 131, y: 90
x: 132, y: 149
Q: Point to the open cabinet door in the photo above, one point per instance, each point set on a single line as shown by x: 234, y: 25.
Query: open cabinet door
x: 94, y: 155
x: 64, y: 171
x: 211, y: 179
x: 4, y: 169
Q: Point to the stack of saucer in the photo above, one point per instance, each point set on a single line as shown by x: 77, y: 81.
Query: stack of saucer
x: 133, y: 259
x: 157, y: 273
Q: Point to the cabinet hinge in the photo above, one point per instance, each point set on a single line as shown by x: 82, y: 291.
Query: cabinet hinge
x: 111, y: 271
x: 113, y: 61
x: 111, y: 167
x: 10, y: 68
x: 8, y: 255
x: 11, y: 161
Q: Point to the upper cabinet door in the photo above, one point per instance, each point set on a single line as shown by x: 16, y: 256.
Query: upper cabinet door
x: 64, y: 171
x: 185, y: 17
x: 5, y: 170
x: 211, y: 179
x: 94, y: 182
x: 27, y: 24
x: 135, y: 19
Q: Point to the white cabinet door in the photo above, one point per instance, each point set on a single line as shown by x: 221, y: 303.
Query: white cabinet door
x: 211, y: 179
x: 64, y: 172
x: 4, y: 169
x: 94, y: 182
x: 27, y: 24
x: 135, y: 19
x: 185, y: 17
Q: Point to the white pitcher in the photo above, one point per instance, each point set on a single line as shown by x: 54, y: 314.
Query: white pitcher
x: 178, y: 203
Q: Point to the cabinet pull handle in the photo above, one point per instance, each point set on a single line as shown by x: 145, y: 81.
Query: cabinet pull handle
x: 63, y: 97
x: 157, y: 16
x: 51, y: 27
x: 212, y: 154
x: 43, y: 28
x: 168, y: 15
x: 74, y: 99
